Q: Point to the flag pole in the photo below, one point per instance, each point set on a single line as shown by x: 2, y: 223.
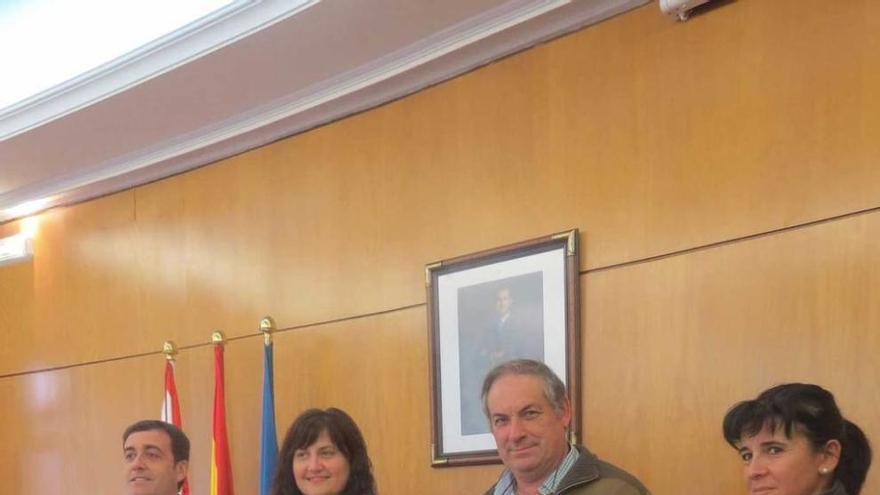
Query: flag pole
x: 268, y: 437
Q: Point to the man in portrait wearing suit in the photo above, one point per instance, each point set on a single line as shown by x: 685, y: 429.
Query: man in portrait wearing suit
x: 511, y: 331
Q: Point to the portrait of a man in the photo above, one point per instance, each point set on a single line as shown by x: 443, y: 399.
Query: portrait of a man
x: 498, y: 321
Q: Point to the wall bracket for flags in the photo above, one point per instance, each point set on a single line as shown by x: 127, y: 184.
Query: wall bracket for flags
x: 267, y: 326
x: 169, y: 349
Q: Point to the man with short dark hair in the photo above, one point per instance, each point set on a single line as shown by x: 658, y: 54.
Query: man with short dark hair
x: 529, y: 414
x: 155, y: 455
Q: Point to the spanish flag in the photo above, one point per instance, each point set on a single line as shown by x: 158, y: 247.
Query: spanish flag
x: 221, y: 467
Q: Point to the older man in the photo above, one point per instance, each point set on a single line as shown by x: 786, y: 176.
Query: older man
x: 155, y: 455
x: 529, y: 414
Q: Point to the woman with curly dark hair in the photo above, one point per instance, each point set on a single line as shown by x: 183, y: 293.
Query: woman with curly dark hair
x: 324, y: 453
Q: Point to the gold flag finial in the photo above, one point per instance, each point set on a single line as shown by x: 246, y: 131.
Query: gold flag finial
x: 267, y: 326
x: 217, y: 337
x: 169, y: 349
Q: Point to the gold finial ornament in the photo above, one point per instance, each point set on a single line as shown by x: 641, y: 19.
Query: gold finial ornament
x: 169, y: 349
x: 217, y: 337
x: 267, y: 326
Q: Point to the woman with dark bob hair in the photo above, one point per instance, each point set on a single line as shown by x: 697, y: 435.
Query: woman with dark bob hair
x: 794, y: 441
x: 324, y: 453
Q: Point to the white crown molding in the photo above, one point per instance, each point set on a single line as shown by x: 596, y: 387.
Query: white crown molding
x: 194, y: 40
x: 512, y: 27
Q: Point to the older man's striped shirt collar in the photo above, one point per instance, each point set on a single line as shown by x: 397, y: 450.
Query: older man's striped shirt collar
x: 506, y: 484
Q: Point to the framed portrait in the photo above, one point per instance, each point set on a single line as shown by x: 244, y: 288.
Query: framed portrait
x: 516, y: 301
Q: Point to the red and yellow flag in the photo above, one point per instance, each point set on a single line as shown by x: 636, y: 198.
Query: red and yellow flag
x: 221, y: 467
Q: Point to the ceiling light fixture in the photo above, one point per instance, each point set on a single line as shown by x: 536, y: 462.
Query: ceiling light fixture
x: 18, y: 247
x: 27, y: 208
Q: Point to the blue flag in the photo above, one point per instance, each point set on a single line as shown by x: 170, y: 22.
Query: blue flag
x: 268, y: 439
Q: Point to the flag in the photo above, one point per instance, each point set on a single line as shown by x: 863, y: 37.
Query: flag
x: 171, y: 408
x: 221, y: 467
x: 268, y: 438
x: 170, y: 403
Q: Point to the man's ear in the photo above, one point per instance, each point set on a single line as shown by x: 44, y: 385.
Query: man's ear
x: 181, y: 469
x: 565, y: 412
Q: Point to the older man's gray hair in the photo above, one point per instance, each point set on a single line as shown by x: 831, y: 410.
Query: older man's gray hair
x: 554, y: 389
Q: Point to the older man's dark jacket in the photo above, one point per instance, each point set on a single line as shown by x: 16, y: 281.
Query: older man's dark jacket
x: 590, y: 476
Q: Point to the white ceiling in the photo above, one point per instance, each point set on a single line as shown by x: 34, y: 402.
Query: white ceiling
x: 284, y: 74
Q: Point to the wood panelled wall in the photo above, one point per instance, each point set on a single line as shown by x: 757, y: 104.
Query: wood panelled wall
x: 723, y: 172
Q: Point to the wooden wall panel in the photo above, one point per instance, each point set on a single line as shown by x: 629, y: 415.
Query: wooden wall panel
x: 649, y: 135
x: 62, y: 429
x: 76, y: 295
x: 670, y: 345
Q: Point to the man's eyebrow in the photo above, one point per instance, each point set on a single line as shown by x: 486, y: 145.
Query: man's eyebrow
x: 147, y: 446
x: 529, y: 406
x: 520, y: 411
